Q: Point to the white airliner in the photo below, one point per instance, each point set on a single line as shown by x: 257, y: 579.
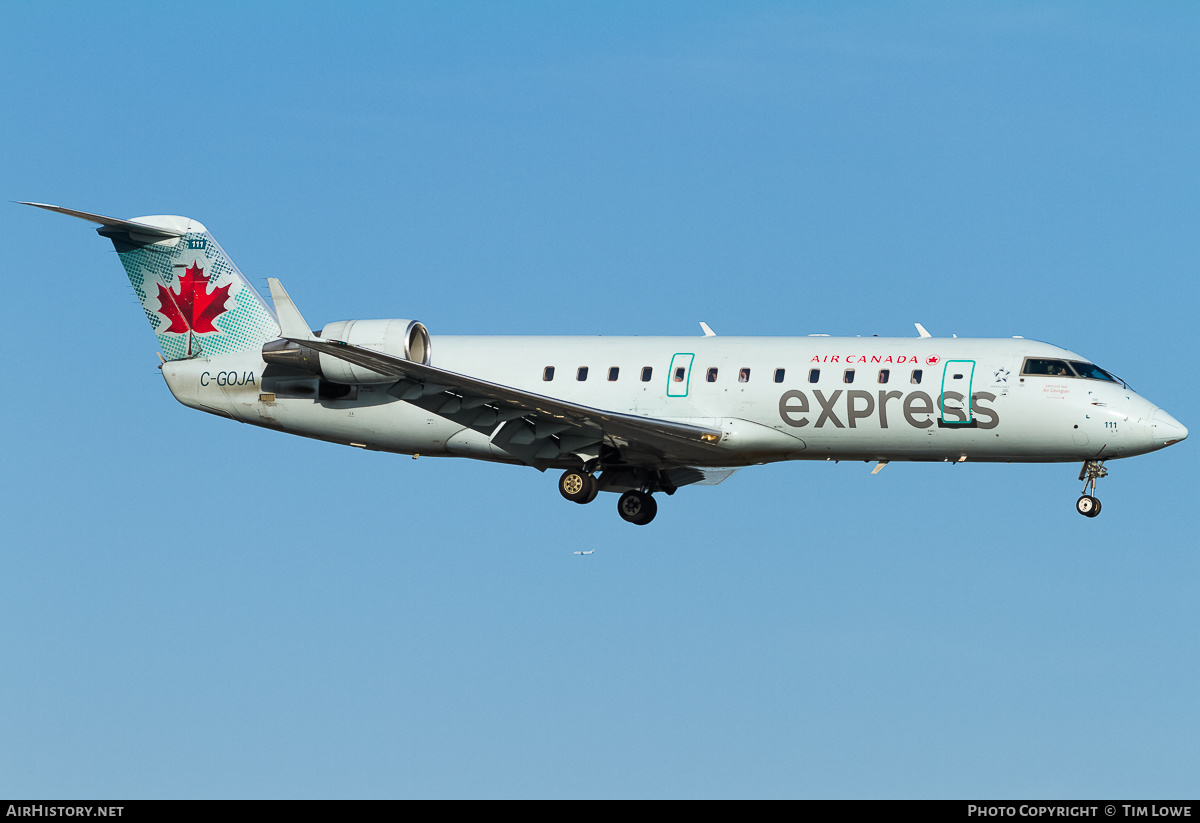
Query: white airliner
x: 633, y: 415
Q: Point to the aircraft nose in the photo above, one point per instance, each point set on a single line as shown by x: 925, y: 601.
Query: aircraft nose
x: 1166, y: 429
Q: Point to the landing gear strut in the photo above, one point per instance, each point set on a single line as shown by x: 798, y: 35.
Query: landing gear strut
x: 1087, y: 504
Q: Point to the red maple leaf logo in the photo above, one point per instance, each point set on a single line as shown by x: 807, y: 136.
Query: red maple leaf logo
x: 193, y: 308
x: 933, y: 359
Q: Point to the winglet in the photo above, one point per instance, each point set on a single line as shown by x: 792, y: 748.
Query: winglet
x: 291, y: 324
x: 921, y: 330
x: 707, y: 331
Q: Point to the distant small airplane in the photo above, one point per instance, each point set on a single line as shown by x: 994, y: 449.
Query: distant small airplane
x: 589, y: 551
x: 631, y: 415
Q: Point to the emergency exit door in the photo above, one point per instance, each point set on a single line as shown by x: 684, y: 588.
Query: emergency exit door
x: 679, y: 375
x: 955, y: 397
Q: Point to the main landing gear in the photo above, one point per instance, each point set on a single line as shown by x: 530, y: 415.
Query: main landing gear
x: 634, y: 506
x: 578, y: 486
x: 1087, y: 504
x: 637, y: 507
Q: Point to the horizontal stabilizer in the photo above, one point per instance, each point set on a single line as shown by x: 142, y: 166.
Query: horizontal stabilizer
x: 111, y: 222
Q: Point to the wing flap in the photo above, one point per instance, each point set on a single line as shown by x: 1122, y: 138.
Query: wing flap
x: 699, y: 476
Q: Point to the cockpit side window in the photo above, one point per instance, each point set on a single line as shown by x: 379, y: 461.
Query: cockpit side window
x: 1092, y: 372
x: 1052, y: 368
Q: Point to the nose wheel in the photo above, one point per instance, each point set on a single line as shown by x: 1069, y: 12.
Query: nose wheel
x: 1088, y: 505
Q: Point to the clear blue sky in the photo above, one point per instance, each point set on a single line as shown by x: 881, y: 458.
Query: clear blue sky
x: 193, y: 608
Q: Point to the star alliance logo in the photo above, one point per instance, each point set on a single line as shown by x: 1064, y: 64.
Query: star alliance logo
x: 1001, y: 375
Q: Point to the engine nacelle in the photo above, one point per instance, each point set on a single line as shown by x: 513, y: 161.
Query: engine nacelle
x: 405, y: 339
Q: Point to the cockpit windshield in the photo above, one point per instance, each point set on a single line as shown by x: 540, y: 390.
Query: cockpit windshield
x: 1069, y: 368
x: 1092, y: 372
x: 1054, y: 368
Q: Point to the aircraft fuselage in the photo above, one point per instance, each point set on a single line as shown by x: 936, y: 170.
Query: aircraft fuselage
x: 808, y: 398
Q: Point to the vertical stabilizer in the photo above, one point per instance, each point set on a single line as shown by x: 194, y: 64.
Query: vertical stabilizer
x: 197, y: 301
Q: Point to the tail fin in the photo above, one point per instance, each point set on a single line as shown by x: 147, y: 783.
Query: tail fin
x: 197, y: 301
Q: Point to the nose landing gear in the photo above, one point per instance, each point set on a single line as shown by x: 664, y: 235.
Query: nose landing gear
x: 1087, y: 504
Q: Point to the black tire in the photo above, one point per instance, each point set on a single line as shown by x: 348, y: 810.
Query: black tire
x: 578, y: 486
x: 651, y: 510
x: 1088, y: 506
x: 594, y: 489
x: 637, y: 507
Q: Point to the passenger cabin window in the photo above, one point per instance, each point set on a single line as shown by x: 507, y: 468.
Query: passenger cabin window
x: 613, y: 372
x: 711, y: 376
x: 743, y: 375
x: 779, y: 375
x: 884, y: 374
x: 814, y: 375
x: 581, y: 375
x: 1052, y: 368
x: 848, y: 377
x: 647, y: 371
x: 548, y: 373
x: 916, y: 376
x: 680, y: 373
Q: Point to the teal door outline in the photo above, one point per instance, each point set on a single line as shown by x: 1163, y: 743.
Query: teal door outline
x: 957, y: 377
x: 677, y: 384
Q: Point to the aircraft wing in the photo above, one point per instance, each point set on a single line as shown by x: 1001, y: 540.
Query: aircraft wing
x: 532, y: 426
